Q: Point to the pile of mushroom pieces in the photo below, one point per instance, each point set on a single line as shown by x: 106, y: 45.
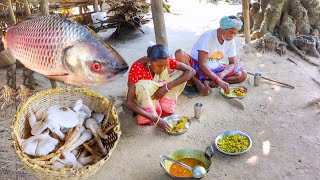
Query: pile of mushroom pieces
x: 51, y: 128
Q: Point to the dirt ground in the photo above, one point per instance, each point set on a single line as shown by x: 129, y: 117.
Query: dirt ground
x: 282, y: 122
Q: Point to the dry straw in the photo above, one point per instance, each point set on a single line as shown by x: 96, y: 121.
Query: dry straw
x: 20, y: 129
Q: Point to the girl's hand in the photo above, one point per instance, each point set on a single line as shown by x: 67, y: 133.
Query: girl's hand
x: 163, y: 125
x: 159, y: 93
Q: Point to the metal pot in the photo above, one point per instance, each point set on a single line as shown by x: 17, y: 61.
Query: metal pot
x: 204, y: 157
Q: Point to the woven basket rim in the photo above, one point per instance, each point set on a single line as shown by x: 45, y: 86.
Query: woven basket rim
x: 22, y: 107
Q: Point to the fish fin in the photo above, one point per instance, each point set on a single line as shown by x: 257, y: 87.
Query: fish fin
x: 61, y: 77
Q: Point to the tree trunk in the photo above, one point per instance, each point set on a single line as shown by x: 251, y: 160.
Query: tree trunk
x: 44, y: 6
x: 245, y: 10
x: 158, y: 22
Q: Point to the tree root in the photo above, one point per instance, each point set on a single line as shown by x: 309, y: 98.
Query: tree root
x: 290, y: 21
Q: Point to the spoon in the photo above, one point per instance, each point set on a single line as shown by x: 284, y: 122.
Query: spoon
x: 197, y: 171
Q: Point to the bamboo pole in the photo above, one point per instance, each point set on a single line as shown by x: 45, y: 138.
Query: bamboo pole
x: 96, y: 5
x: 246, y: 19
x: 27, y: 7
x: 158, y: 22
x: 11, y: 13
x: 44, y: 7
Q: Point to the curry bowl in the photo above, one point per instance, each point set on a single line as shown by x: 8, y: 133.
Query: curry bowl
x: 179, y: 124
x: 233, y: 142
x: 235, y: 92
x: 190, y: 157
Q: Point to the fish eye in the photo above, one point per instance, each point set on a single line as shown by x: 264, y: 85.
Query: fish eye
x: 96, y: 66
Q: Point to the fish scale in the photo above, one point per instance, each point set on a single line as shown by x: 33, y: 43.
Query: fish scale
x: 37, y: 43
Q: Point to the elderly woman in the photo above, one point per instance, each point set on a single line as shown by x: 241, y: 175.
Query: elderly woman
x: 205, y: 56
x: 154, y: 84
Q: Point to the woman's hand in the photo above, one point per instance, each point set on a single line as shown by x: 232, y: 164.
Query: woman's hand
x: 163, y: 125
x: 159, y: 93
x: 224, y: 85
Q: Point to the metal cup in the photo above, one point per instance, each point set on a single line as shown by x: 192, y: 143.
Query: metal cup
x: 257, y: 79
x: 197, y: 110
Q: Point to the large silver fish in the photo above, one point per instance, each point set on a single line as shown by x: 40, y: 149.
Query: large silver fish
x: 63, y: 50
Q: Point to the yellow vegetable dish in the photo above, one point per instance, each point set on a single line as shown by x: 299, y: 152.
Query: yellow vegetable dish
x: 237, y: 91
x: 233, y: 143
x: 180, y: 126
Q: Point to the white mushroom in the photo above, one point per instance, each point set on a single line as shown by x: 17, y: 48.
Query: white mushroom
x: 78, y: 105
x: 39, y: 145
x: 75, y: 152
x: 85, y: 160
x: 39, y: 127
x: 98, y: 117
x: 83, y: 153
x: 92, y: 125
x: 58, y: 165
x: 57, y: 117
x: 64, y: 130
x: 41, y: 113
x: 85, y: 136
x: 97, y: 128
x: 62, y: 116
x: 56, y: 129
x: 87, y: 110
x: 77, y: 135
x: 32, y: 119
x: 29, y: 145
x: 70, y: 160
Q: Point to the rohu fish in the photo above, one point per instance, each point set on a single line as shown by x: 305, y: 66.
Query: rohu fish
x: 63, y: 50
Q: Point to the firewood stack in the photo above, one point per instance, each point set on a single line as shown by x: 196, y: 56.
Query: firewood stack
x: 127, y: 14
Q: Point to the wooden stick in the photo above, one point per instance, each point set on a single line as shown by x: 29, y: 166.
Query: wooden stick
x: 313, y: 79
x: 106, y: 119
x: 92, y: 151
x: 110, y: 127
x: 292, y: 87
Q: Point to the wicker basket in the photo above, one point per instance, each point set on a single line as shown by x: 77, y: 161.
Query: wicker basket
x: 66, y: 97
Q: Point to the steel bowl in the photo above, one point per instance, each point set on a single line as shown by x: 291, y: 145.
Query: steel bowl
x: 228, y: 133
x: 173, y: 120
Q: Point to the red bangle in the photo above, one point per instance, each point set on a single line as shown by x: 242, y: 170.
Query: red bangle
x: 216, y: 79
